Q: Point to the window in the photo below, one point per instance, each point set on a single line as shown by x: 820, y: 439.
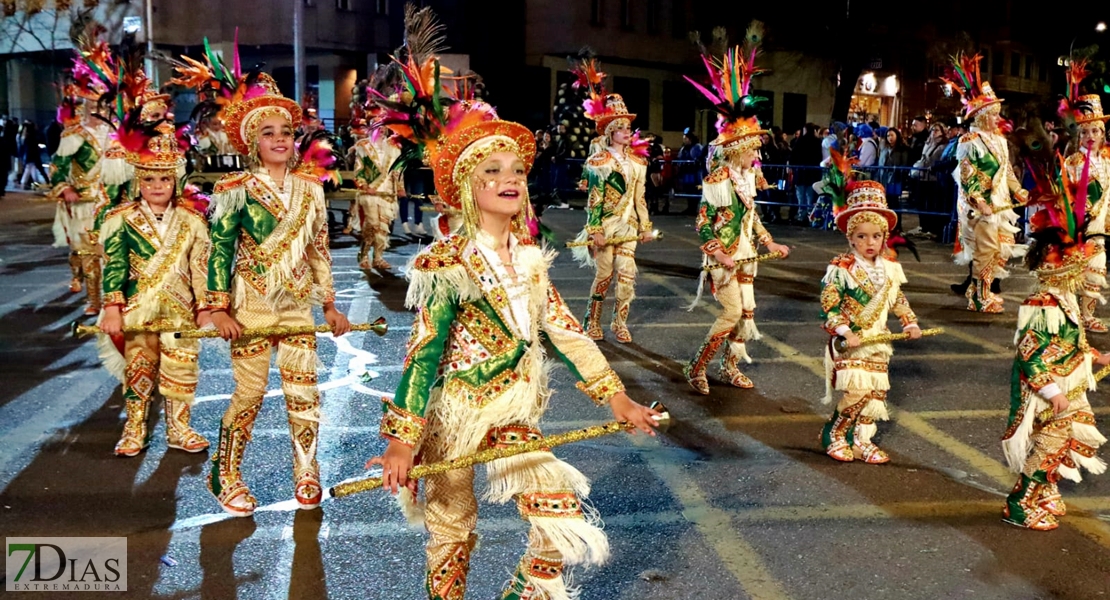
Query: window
x: 381, y: 7
x: 1015, y: 64
x: 597, y: 12
x: 678, y: 19
x: 996, y: 64
x: 653, y: 16
x: 626, y: 15
x: 343, y: 5
x: 680, y: 105
x: 1028, y: 67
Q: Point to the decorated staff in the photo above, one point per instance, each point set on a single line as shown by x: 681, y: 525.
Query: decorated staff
x: 987, y: 184
x: 1051, y: 433
x: 268, y: 267
x: 840, y: 343
x: 155, y: 269
x: 656, y: 235
x: 474, y: 369
x: 728, y: 220
x: 615, y: 207
x: 861, y: 289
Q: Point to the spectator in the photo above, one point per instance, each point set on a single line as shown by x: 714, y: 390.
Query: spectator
x: 868, y: 146
x: 894, y: 155
x: 53, y: 137
x: 805, y: 162
x: 31, y: 156
x: 692, y: 168
x: 654, y: 185
x: 5, y: 156
x: 920, y: 135
x: 8, y: 144
x: 541, y: 171
x: 559, y: 172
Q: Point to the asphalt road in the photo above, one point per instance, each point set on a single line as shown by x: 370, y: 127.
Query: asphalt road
x: 735, y: 501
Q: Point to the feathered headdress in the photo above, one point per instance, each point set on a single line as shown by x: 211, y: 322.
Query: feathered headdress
x: 1077, y: 108
x: 963, y: 75
x: 599, y: 106
x: 837, y: 178
x: 438, y: 120
x: 150, y: 146
x: 242, y: 99
x: 730, y: 80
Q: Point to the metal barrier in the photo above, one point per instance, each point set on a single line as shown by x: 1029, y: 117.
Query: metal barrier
x: 928, y: 193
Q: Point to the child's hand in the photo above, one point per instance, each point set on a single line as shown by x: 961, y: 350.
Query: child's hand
x: 724, y: 259
x: 1103, y: 360
x: 396, y: 464
x: 112, y: 322
x: 913, y: 331
x: 1059, y: 403
x: 782, y: 249
x: 852, y: 339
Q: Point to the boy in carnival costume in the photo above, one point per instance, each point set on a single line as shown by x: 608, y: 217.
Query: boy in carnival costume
x: 728, y: 220
x: 268, y: 267
x: 615, y: 204
x: 1091, y: 163
x: 377, y: 181
x: 861, y: 288
x: 988, y: 188
x: 1051, y: 431
x: 155, y: 275
x: 474, y: 372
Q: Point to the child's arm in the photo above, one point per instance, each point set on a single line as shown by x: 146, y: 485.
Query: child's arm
x: 902, y: 310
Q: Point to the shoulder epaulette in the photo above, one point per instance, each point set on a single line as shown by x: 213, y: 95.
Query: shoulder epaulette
x: 119, y: 210
x: 970, y: 136
x: 636, y: 158
x: 1041, y: 299
x: 844, y: 261
x: 599, y: 159
x: 231, y: 180
x: 441, y: 254
x: 192, y: 211
x: 718, y: 175
x: 1075, y: 159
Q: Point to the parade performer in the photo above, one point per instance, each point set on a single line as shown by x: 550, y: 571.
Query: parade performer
x: 861, y: 288
x: 1086, y: 113
x: 1051, y: 431
x: 615, y: 205
x: 728, y: 220
x: 988, y: 188
x: 377, y: 182
x: 155, y: 276
x: 80, y: 167
x: 474, y: 373
x: 268, y: 266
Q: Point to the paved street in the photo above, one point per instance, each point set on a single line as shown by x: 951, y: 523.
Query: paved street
x: 735, y: 501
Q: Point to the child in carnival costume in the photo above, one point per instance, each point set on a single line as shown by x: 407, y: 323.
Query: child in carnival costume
x: 988, y: 188
x: 155, y: 276
x: 728, y: 219
x: 861, y: 288
x: 474, y: 372
x: 268, y: 267
x: 615, y: 205
x: 1051, y: 432
x: 81, y: 169
x: 377, y: 181
x: 1086, y: 113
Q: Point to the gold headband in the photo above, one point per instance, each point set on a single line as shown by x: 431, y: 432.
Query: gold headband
x: 249, y: 129
x: 612, y: 124
x: 868, y: 217
x: 469, y: 160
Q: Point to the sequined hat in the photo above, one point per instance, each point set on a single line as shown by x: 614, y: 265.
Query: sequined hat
x: 866, y: 196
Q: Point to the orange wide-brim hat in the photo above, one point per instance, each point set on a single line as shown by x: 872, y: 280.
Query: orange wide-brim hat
x: 451, y: 148
x: 237, y: 116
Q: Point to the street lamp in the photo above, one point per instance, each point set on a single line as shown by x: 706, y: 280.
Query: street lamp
x: 1101, y: 26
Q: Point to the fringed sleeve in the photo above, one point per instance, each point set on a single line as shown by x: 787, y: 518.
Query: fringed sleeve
x: 832, y: 295
x: 116, y: 264
x: 198, y: 259
x: 319, y: 257
x: 229, y: 198
x: 639, y: 191
x: 577, y: 351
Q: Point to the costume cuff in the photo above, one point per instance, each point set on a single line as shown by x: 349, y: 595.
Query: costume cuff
x: 602, y: 387
x: 1022, y: 195
x: 1041, y: 381
x: 712, y: 246
x: 401, y: 425
x: 646, y: 227
x: 114, y: 299
x: 834, y: 324
x: 217, y: 300
x: 909, y: 320
x: 1049, y: 391
x: 590, y: 230
x: 843, y: 329
x: 765, y: 240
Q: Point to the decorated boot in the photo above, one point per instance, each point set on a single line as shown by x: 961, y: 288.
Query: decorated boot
x: 135, y: 436
x: 862, y: 446
x: 1022, y: 509
x: 225, y: 480
x: 179, y: 434
x: 695, y: 371
x: 837, y: 436
x: 730, y: 365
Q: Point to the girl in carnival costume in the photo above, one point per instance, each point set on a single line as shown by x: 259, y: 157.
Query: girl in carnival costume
x: 861, y: 288
x: 615, y: 204
x: 474, y: 372
x: 268, y: 267
x: 155, y: 275
x: 728, y: 220
x: 1051, y: 432
x: 375, y: 177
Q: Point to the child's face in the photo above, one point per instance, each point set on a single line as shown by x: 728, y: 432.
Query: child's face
x: 867, y: 240
x: 157, y: 188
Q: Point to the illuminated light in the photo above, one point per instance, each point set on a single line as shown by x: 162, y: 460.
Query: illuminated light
x: 1100, y: 27
x: 868, y: 82
x: 890, y: 85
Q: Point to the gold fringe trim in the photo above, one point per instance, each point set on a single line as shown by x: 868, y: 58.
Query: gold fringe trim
x: 70, y: 144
